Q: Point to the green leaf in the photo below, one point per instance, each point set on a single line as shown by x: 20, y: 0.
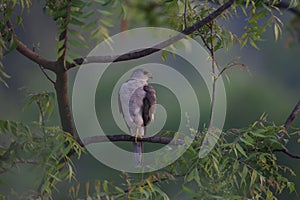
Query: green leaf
x: 253, y: 44
x: 59, y: 14
x: 60, y: 53
x: 59, y: 44
x: 87, y: 14
x: 247, y: 140
x: 253, y: 178
x: 276, y: 31
x: 72, y: 54
x: 164, y: 55
x: 244, y: 173
x: 107, y: 23
x: 258, y: 133
x: 76, y: 44
x: 105, y: 186
x: 240, y: 149
x: 293, y: 3
x: 76, y: 34
x: 189, y: 191
x: 105, y: 12
x: 90, y: 25
x: 76, y: 22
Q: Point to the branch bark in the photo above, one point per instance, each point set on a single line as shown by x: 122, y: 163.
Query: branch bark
x: 61, y: 88
x: 147, y: 51
x: 27, y: 52
x: 289, y: 120
x: 292, y: 116
x: 129, y: 138
x: 285, y: 151
x: 287, y: 125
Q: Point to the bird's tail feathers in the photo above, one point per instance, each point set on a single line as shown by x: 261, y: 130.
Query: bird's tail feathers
x: 138, y: 153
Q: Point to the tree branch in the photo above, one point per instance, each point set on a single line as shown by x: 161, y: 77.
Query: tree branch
x: 289, y: 120
x: 129, y: 138
x: 147, y: 51
x: 292, y: 116
x: 185, y: 12
x: 287, y: 125
x: 27, y: 52
x: 285, y: 151
x: 47, y: 76
x: 61, y: 88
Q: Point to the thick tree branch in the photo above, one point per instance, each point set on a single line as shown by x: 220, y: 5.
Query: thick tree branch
x: 61, y: 88
x: 129, y: 138
x: 27, y: 52
x: 46, y: 64
x: 145, y: 52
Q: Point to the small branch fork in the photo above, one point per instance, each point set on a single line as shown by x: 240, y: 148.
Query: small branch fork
x: 287, y: 125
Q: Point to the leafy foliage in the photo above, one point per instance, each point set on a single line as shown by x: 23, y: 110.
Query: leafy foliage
x: 74, y: 19
x: 7, y: 42
x: 243, y: 164
x: 39, y: 145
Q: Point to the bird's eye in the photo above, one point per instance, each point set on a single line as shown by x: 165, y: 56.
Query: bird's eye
x: 145, y: 73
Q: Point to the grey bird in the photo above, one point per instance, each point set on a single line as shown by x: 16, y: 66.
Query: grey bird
x: 137, y: 102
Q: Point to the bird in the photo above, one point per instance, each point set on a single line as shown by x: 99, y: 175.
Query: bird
x: 137, y: 103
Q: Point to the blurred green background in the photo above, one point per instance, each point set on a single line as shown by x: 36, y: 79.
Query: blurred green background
x: 271, y: 87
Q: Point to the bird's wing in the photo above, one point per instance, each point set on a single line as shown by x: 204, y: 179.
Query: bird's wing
x: 136, y: 106
x: 149, y: 104
x: 123, y: 99
x: 119, y: 101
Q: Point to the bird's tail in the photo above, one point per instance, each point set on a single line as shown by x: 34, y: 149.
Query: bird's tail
x: 138, y: 153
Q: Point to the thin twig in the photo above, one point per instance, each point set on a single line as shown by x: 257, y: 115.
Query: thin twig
x: 285, y: 151
x: 38, y: 102
x: 184, y: 13
x: 292, y: 116
x: 287, y: 125
x: 47, y: 76
x: 205, y: 43
x: 289, y: 120
x: 43, y: 70
x: 29, y: 161
x: 160, y: 180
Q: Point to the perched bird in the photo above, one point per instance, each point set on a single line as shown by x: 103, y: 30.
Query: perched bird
x: 137, y: 102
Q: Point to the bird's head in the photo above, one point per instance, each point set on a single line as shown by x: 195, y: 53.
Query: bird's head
x: 141, y: 74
